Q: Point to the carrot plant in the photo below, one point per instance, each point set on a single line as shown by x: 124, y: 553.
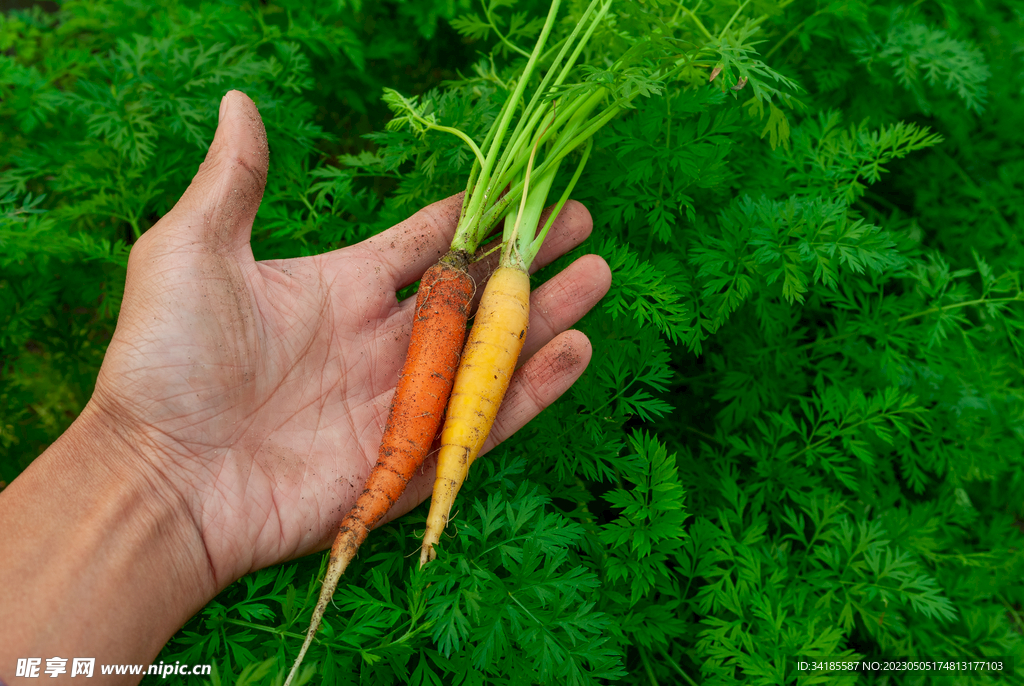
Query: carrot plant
x: 800, y: 431
x: 498, y: 180
x: 493, y: 348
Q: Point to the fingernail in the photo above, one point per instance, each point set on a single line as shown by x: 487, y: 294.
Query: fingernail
x: 223, y: 108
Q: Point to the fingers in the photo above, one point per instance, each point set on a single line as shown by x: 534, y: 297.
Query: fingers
x: 537, y: 384
x: 540, y: 382
x: 572, y: 226
x: 218, y: 208
x: 554, y: 306
x: 563, y: 300
x: 409, y: 248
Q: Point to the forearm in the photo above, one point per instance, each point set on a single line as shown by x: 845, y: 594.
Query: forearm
x: 97, y: 561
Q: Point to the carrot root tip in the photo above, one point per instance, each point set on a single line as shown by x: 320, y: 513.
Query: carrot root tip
x: 427, y: 553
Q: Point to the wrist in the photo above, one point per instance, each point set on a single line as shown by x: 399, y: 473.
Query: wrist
x: 102, y: 558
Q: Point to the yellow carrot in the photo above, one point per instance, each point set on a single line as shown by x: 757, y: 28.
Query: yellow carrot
x: 488, y: 361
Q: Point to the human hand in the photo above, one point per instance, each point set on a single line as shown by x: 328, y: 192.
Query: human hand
x: 258, y: 391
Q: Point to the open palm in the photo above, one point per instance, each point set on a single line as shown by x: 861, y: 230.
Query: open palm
x: 256, y: 392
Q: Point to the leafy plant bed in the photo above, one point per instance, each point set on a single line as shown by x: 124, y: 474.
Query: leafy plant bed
x: 801, y: 434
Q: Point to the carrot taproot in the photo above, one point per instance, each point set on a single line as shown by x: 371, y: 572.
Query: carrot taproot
x: 439, y: 329
x: 488, y: 361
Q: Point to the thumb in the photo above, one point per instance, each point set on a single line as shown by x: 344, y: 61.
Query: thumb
x: 220, y: 204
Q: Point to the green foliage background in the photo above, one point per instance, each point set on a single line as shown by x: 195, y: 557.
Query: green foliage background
x: 802, y: 432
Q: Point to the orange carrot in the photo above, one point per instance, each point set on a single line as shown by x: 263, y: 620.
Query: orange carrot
x: 439, y: 329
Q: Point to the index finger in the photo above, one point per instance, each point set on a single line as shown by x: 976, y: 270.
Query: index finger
x: 410, y: 247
